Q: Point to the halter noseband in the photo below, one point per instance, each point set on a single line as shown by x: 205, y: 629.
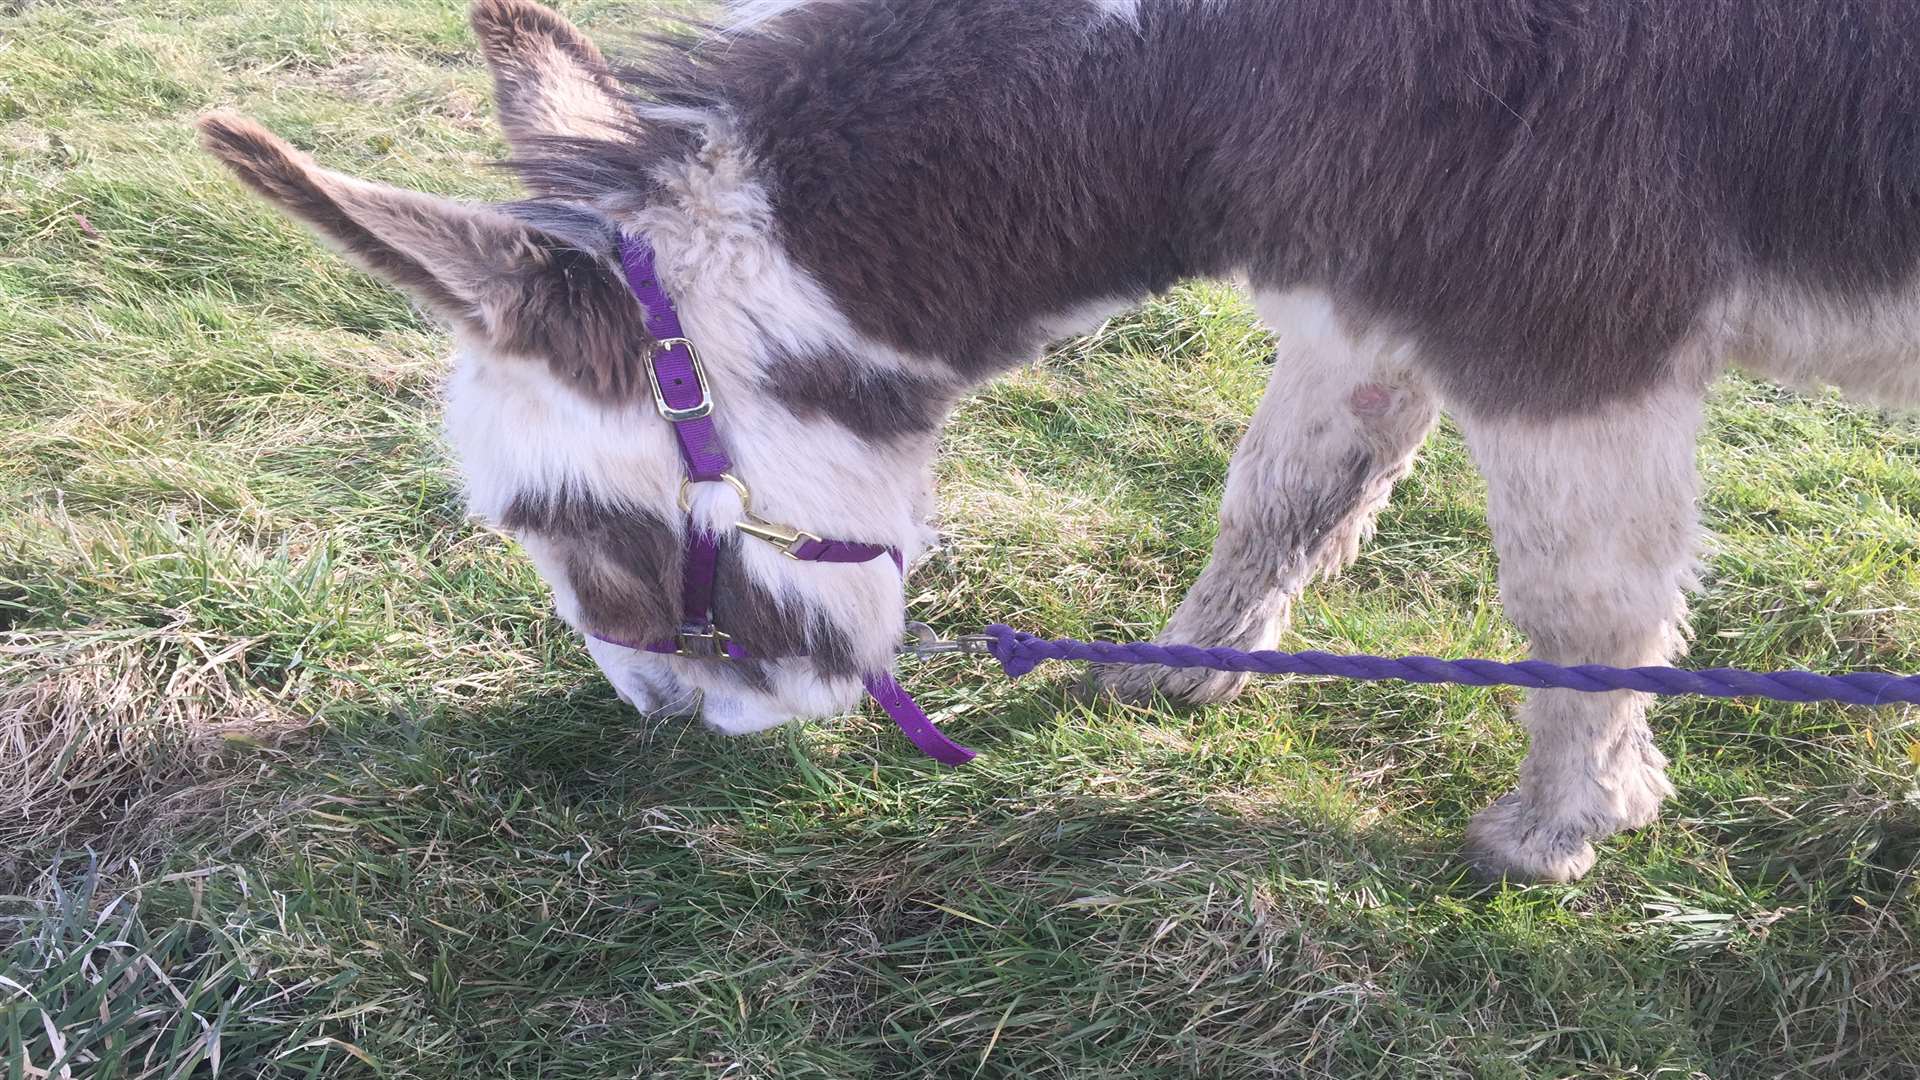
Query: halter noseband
x: 683, y: 398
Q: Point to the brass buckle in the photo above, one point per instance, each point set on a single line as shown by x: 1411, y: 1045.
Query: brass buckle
x: 785, y: 537
x: 693, y: 412
x: 708, y: 644
x: 739, y: 488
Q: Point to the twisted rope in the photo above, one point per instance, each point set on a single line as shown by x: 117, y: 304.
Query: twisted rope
x: 1019, y: 653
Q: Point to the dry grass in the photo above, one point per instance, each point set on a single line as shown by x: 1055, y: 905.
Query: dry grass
x: 107, y: 734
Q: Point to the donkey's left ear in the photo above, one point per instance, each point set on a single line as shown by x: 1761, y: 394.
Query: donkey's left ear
x: 548, y: 79
x: 525, y: 290
x: 451, y: 256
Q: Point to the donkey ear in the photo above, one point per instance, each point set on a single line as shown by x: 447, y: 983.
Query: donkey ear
x: 548, y: 79
x: 451, y: 256
x: 555, y: 294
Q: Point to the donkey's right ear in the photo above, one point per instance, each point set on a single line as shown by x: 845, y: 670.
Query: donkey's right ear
x: 548, y: 79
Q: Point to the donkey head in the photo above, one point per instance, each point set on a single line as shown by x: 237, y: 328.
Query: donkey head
x: 549, y: 407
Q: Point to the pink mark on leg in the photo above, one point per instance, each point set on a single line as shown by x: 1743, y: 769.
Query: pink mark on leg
x: 1370, y: 399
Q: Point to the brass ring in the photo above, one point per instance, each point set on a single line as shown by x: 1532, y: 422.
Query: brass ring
x: 740, y: 489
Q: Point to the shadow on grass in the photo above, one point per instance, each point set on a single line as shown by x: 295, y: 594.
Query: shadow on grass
x: 549, y: 884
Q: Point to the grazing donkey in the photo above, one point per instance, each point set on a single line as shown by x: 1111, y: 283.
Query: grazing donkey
x: 1557, y: 219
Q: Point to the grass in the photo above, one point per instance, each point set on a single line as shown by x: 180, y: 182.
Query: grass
x: 300, y: 777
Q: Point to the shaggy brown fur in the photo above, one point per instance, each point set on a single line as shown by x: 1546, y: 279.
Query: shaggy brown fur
x: 1543, y: 195
x: 624, y: 565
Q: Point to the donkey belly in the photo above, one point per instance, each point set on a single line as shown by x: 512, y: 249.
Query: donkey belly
x: 1867, y: 346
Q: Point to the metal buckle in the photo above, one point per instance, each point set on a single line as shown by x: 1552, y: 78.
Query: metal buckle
x: 692, y: 412
x: 785, y: 537
x: 739, y: 488
x: 702, y: 644
x: 922, y: 640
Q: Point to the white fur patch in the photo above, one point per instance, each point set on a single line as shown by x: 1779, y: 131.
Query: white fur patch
x: 749, y: 16
x: 1865, y: 346
x: 707, y: 122
x: 1126, y: 11
x: 746, y: 16
x: 1130, y: 11
x: 515, y: 429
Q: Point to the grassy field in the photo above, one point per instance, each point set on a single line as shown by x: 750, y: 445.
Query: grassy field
x: 300, y: 777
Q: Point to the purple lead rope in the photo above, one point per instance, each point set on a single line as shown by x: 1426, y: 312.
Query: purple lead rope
x: 1019, y: 653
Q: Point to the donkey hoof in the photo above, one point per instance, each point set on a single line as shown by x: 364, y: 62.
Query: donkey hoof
x: 1508, y: 841
x: 1142, y: 684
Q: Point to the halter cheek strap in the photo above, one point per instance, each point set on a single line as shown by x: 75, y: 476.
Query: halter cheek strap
x: 683, y: 398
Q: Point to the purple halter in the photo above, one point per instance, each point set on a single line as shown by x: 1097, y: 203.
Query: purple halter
x: 683, y: 399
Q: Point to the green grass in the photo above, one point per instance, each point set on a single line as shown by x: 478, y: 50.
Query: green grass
x: 300, y: 777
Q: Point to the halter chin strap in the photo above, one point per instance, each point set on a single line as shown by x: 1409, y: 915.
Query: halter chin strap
x: 683, y: 398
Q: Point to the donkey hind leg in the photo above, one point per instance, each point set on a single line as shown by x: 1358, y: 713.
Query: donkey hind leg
x: 1594, y: 522
x: 1340, y: 423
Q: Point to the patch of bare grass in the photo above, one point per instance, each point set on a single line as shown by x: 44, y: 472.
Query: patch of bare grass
x: 104, y: 735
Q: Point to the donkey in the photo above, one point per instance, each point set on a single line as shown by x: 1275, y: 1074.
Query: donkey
x: 1557, y: 220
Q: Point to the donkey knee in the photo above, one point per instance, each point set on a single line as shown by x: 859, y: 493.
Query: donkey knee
x: 1342, y: 418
